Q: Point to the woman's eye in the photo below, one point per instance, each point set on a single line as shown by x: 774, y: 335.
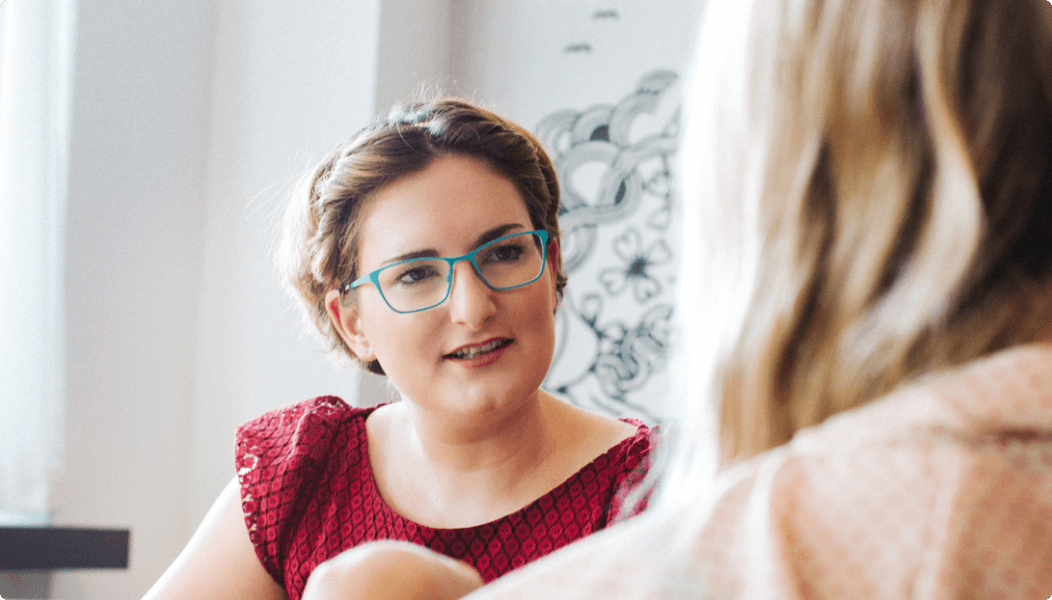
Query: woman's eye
x: 417, y: 274
x: 505, y: 253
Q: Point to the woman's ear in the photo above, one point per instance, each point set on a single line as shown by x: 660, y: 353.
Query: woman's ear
x: 345, y: 319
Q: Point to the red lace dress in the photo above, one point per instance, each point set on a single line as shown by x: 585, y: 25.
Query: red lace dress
x: 308, y: 493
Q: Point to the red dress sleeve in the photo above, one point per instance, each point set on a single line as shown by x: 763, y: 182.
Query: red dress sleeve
x: 632, y: 487
x: 277, y: 456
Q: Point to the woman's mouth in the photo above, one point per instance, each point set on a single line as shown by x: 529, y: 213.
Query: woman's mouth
x: 470, y: 352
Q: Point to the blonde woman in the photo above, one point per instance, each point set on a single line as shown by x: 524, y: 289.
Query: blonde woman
x: 867, y: 295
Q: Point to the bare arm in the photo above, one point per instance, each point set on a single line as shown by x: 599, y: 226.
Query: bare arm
x: 391, y: 570
x: 219, y: 562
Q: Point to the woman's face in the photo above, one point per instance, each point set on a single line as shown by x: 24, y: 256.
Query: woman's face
x: 450, y: 208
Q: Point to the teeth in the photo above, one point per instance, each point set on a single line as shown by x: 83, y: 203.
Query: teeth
x: 478, y: 350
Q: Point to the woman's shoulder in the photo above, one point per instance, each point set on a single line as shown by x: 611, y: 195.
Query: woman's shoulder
x: 642, y: 440
x: 325, y: 407
x: 305, y: 428
x: 631, y: 456
x: 599, y: 434
x: 321, y: 411
x: 628, y: 465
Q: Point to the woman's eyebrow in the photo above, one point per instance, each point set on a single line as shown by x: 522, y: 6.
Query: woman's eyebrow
x: 428, y: 253
x: 487, y: 236
x: 496, y: 232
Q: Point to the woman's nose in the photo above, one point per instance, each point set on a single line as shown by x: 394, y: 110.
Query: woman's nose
x: 471, y: 301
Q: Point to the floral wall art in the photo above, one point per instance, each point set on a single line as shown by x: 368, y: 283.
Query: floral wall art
x: 616, y: 164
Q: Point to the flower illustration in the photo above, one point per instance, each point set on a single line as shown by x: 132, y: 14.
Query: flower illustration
x: 617, y: 163
x: 628, y: 248
x: 659, y: 186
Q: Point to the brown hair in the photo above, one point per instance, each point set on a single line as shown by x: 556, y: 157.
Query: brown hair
x: 318, y: 251
x: 868, y: 189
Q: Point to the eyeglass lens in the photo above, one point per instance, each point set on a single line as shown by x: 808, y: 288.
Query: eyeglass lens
x: 422, y: 283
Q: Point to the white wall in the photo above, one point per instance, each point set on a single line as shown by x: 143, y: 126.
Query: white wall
x: 189, y: 118
x: 528, y: 58
x: 416, y: 39
x: 136, y: 202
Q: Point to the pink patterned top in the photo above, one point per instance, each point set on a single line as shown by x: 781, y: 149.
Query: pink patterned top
x: 941, y: 490
x: 308, y: 493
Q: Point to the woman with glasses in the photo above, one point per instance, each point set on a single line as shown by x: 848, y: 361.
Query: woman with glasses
x: 425, y: 248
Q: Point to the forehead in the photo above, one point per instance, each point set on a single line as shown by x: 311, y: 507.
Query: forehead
x: 444, y: 207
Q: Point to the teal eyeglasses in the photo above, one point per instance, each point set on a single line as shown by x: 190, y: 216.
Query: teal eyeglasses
x: 421, y: 283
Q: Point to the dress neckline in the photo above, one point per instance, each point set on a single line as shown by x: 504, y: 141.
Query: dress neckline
x: 373, y: 489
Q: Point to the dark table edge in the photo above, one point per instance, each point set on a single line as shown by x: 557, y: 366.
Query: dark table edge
x: 47, y: 548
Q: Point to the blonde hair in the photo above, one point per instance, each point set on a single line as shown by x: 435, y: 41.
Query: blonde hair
x: 869, y: 199
x: 318, y: 250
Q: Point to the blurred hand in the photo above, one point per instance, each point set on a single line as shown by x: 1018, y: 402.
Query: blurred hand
x: 391, y: 570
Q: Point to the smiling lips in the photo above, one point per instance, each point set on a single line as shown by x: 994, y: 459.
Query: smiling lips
x: 472, y: 352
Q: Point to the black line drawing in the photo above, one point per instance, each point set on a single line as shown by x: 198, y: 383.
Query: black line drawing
x: 615, y: 165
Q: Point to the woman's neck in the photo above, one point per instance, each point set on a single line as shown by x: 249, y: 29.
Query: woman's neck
x: 455, y: 443
x: 438, y: 472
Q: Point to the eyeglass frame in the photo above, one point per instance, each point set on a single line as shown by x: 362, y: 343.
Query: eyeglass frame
x: 373, y: 277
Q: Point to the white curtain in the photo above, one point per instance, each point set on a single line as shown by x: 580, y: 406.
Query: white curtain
x: 36, y: 50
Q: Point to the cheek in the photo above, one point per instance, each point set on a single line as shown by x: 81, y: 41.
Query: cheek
x: 541, y: 318
x: 404, y: 340
x: 543, y: 350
